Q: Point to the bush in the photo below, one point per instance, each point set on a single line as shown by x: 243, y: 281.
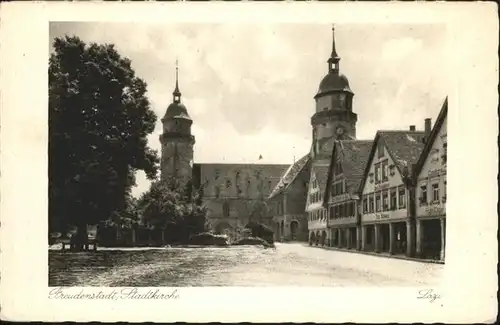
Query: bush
x: 262, y: 231
x: 209, y: 240
x: 253, y: 241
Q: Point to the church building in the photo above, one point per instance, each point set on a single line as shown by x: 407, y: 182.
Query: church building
x: 233, y: 193
x: 305, y: 182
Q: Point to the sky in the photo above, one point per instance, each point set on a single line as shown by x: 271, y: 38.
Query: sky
x: 249, y: 88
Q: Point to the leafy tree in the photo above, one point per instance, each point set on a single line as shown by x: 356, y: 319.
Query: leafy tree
x: 99, y: 120
x: 177, y: 208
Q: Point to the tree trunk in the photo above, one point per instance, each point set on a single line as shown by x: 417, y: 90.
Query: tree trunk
x: 81, y: 239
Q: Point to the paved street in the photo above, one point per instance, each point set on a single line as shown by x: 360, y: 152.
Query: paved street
x: 289, y: 264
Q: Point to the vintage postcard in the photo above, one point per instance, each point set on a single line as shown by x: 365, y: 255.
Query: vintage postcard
x: 264, y: 163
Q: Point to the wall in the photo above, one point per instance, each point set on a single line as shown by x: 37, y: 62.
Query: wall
x: 370, y: 187
x: 176, y: 154
x: 433, y: 171
x: 243, y: 187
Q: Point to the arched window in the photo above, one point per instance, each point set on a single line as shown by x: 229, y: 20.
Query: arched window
x: 225, y: 209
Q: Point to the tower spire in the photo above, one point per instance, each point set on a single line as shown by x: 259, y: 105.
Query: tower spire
x: 333, y: 61
x: 177, y: 92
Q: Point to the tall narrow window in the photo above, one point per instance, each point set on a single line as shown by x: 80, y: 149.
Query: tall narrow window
x: 225, y: 209
x: 445, y: 153
x: 393, y: 199
x: 365, y: 205
x: 377, y: 202
x: 377, y: 173
x: 402, y: 198
x: 371, y: 207
x: 385, y: 171
x: 385, y: 201
x: 423, y: 194
x: 435, y: 192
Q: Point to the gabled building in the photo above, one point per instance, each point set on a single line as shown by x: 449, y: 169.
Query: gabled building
x: 341, y: 199
x: 317, y: 213
x: 430, y: 190
x: 387, y: 219
x: 287, y: 202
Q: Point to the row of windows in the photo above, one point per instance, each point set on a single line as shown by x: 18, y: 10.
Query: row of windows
x: 434, y: 193
x: 318, y: 214
x: 338, y: 188
x: 386, y: 200
x: 314, y: 197
x: 343, y: 210
x: 239, y: 191
x: 382, y: 172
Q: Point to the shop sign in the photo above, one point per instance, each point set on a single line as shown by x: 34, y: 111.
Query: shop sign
x: 434, y: 210
x: 380, y: 216
x: 437, y: 172
x: 340, y: 198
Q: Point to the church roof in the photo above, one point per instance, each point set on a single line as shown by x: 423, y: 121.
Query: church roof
x: 332, y: 82
x: 176, y: 110
x: 290, y: 175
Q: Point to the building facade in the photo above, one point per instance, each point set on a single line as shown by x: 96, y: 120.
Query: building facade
x: 387, y: 216
x: 287, y: 202
x: 348, y: 162
x: 430, y: 191
x: 317, y: 213
x: 233, y: 193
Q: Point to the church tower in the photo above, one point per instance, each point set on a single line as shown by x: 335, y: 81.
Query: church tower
x: 176, y: 141
x: 334, y: 118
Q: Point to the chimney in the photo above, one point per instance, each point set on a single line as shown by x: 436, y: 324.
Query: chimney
x: 412, y: 127
x: 428, y: 126
x: 427, y: 129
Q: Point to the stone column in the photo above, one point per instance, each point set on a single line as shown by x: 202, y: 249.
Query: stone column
x: 377, y: 238
x: 358, y: 237
x: 391, y: 238
x: 409, y: 239
x: 339, y: 234
x: 418, y: 240
x: 443, y: 238
x: 363, y: 238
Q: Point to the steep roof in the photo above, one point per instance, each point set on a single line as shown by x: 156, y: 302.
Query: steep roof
x: 321, y: 172
x: 355, y: 154
x: 432, y: 137
x: 290, y: 175
x: 403, y: 146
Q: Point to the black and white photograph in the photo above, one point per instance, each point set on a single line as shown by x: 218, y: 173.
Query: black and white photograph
x: 247, y: 155
x: 308, y: 162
